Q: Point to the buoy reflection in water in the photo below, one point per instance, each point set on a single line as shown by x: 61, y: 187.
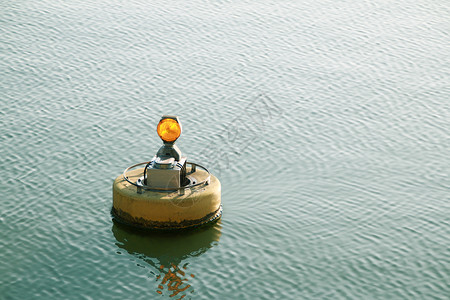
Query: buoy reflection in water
x: 166, y: 251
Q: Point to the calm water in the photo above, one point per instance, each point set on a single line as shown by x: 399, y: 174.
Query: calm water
x: 327, y: 123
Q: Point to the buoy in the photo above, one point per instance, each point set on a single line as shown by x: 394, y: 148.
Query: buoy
x: 167, y: 192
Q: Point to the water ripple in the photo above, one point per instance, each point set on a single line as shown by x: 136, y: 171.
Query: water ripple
x: 327, y: 124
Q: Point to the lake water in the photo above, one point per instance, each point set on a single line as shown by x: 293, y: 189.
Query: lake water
x: 327, y: 123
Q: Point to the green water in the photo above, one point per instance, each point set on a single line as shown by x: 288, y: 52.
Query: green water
x: 327, y: 123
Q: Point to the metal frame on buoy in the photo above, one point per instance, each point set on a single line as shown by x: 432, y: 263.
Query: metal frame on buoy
x: 141, y: 186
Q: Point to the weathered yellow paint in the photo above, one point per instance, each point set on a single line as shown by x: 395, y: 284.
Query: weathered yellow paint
x: 164, y: 209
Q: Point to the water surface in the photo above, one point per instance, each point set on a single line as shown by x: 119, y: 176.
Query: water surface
x: 327, y: 123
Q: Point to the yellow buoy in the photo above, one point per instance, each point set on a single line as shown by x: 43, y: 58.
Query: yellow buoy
x: 169, y: 192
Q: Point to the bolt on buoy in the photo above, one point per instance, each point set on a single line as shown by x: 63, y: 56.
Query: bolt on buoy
x: 167, y: 192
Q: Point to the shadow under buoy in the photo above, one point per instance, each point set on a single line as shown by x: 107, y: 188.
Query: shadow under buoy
x: 166, y: 251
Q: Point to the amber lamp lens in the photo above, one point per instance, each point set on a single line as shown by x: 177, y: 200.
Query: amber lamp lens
x: 168, y: 130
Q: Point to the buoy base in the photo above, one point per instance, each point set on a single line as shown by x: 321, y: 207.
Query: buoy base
x: 124, y: 218
x: 167, y: 210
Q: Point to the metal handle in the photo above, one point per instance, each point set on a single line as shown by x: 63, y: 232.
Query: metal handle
x: 146, y: 187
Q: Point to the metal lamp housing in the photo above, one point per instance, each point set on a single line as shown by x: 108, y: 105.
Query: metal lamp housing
x: 168, y: 167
